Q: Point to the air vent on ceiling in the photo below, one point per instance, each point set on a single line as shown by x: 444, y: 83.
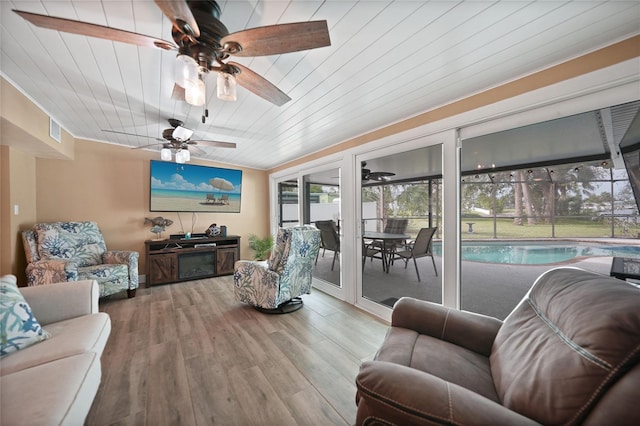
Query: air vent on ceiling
x: 55, y: 130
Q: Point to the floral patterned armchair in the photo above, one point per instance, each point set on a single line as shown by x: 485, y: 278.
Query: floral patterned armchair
x: 73, y: 251
x: 275, y: 286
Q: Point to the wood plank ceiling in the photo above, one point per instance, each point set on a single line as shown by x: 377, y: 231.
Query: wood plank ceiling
x: 388, y: 60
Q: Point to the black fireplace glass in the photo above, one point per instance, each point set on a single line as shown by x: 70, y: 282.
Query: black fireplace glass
x: 196, y: 265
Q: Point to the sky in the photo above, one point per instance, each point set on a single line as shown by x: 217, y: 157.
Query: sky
x: 191, y: 177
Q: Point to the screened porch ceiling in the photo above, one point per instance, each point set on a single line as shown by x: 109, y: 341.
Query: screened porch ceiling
x: 388, y: 61
x: 548, y: 149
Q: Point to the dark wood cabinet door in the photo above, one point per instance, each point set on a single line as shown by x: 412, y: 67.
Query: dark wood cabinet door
x: 162, y: 268
x: 227, y: 257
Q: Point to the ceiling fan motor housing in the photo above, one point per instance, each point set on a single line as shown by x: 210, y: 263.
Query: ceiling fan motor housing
x: 206, y: 49
x: 174, y: 122
x: 167, y: 134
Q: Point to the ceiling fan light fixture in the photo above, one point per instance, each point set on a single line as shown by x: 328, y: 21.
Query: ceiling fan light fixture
x: 186, y: 71
x: 181, y: 133
x: 194, y: 94
x: 186, y: 155
x: 180, y: 158
x: 165, y: 154
x: 226, y: 90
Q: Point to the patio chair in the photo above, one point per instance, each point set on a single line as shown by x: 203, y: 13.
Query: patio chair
x: 392, y: 226
x: 329, y: 239
x: 421, y: 247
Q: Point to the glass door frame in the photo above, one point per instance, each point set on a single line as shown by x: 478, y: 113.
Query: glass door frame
x: 450, y: 229
x: 280, y: 184
x: 327, y: 163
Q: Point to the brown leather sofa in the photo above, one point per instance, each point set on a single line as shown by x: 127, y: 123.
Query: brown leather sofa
x: 569, y: 353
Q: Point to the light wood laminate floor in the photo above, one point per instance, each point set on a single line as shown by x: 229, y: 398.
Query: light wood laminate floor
x: 189, y: 354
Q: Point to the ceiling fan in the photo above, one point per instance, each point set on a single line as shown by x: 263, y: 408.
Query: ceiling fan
x: 204, y: 44
x: 367, y: 174
x: 177, y: 138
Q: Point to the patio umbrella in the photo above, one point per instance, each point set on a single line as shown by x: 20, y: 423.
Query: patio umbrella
x: 221, y: 184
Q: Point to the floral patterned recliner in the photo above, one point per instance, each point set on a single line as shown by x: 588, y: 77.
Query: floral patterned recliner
x: 275, y: 286
x: 73, y: 251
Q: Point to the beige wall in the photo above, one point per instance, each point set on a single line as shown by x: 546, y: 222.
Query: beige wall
x: 84, y: 180
x: 5, y: 223
x: 22, y: 180
x: 18, y: 176
x: 25, y: 126
x: 109, y: 184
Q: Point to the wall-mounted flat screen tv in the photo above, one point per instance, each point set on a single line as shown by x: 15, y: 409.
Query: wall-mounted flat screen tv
x: 192, y: 188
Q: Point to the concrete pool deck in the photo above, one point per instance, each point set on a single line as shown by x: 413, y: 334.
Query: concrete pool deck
x: 488, y: 288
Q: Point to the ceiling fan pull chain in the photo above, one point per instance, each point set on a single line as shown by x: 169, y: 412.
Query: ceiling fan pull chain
x: 205, y: 111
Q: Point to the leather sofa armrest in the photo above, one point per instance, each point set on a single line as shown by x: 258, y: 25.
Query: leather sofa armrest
x: 466, y: 329
x: 60, y: 301
x: 396, y: 394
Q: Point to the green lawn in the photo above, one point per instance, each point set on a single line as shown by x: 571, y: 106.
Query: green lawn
x: 566, y: 228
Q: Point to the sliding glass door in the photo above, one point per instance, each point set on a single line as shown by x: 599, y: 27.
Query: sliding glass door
x: 540, y: 196
x: 288, y: 205
x: 322, y: 209
x: 401, y: 217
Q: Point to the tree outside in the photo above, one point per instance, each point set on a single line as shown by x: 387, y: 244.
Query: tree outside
x: 572, y: 200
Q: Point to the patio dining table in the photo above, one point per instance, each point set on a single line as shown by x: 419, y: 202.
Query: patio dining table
x: 386, y: 239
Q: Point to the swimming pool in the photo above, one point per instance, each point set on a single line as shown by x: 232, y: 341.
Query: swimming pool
x: 538, y: 253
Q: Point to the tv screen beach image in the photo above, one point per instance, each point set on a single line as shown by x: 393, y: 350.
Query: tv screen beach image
x: 192, y: 188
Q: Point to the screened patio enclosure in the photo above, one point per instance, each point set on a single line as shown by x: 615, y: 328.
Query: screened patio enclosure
x: 558, y: 180
x: 555, y: 180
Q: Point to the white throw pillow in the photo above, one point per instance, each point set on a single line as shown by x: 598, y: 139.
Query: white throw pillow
x: 18, y: 326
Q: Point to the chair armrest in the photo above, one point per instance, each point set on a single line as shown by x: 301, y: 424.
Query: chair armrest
x: 255, y: 271
x: 472, y: 331
x: 124, y: 257
x: 61, y: 301
x: 402, y: 395
x: 49, y: 271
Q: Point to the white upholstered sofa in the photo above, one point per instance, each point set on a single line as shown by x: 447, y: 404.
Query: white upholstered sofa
x: 54, y: 381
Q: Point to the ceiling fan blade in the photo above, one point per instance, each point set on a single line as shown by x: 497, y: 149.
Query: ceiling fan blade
x: 218, y: 144
x: 196, y: 149
x: 132, y: 134
x: 179, y: 13
x: 383, y: 174
x: 146, y: 146
x: 94, y: 30
x: 283, y: 38
x: 259, y: 85
x: 380, y: 176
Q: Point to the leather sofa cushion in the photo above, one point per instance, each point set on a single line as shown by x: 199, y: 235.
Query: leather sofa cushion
x: 442, y: 359
x: 564, y: 345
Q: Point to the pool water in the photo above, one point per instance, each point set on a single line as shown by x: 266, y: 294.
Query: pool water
x: 530, y: 253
